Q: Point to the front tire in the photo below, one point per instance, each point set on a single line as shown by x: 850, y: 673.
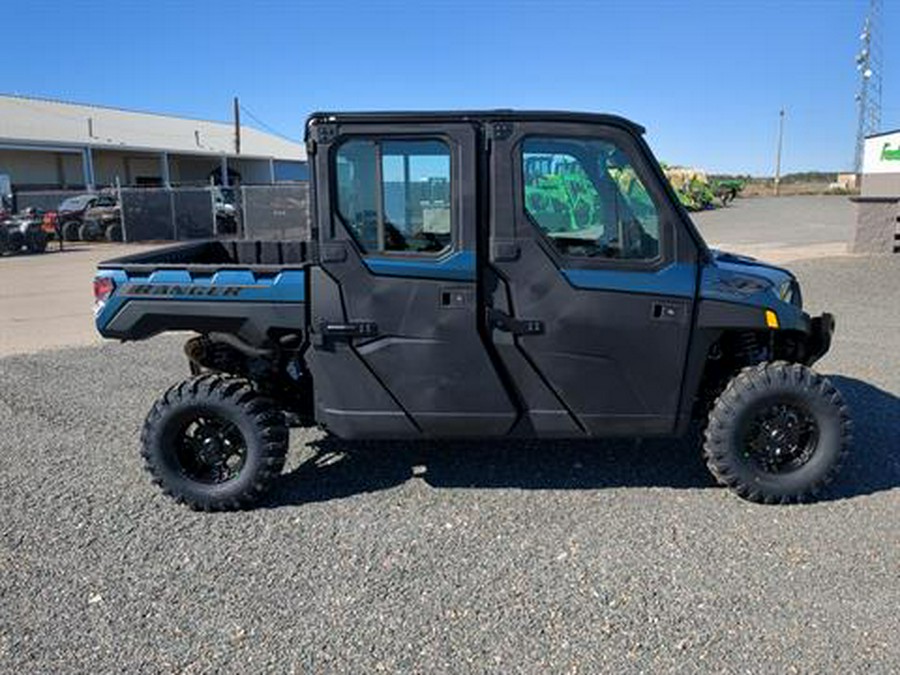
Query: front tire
x: 36, y: 241
x: 778, y: 433
x: 214, y: 442
x: 15, y: 241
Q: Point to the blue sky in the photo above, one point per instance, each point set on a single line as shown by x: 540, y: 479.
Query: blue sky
x: 706, y: 78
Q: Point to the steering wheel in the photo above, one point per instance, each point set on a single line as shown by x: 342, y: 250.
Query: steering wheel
x: 637, y: 243
x: 394, y: 239
x: 431, y: 241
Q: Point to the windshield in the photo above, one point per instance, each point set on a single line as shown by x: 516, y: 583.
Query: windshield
x: 75, y: 203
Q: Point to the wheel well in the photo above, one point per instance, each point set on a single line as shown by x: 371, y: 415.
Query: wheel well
x: 279, y: 372
x: 733, y: 350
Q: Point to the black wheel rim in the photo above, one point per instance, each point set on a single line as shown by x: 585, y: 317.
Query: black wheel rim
x: 781, y: 436
x: 210, y: 449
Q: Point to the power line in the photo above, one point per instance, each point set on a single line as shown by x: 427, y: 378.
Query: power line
x: 267, y: 127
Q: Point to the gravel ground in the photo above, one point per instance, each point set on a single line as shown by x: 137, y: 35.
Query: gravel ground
x: 454, y: 558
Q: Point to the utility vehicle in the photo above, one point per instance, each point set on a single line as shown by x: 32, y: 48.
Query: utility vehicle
x: 479, y: 275
x: 90, y: 217
x: 23, y: 231
x: 225, y: 210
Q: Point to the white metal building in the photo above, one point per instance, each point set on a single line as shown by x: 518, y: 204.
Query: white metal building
x: 46, y: 144
x: 878, y: 206
x: 881, y: 165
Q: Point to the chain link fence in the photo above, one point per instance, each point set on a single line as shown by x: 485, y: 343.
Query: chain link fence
x: 147, y: 214
x: 275, y: 211
x: 260, y: 212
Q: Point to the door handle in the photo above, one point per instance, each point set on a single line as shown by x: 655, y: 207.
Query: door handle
x: 506, y: 323
x: 455, y: 297
x: 351, y: 329
x: 347, y: 331
x: 665, y: 311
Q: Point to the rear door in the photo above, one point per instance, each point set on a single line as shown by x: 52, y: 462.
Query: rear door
x: 397, y: 350
x: 593, y: 279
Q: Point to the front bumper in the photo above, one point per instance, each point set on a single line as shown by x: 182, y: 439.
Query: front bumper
x: 821, y: 330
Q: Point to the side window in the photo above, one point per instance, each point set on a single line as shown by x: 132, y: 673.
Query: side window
x: 585, y: 195
x: 394, y: 195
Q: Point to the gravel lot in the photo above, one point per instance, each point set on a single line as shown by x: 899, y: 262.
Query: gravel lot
x: 781, y: 229
x: 52, y: 310
x: 454, y: 558
x: 763, y: 220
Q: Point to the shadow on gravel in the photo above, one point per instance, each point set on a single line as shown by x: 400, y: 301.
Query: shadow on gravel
x: 874, y: 463
x: 341, y: 469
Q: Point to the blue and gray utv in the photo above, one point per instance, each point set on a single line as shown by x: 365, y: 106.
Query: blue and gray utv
x: 479, y: 275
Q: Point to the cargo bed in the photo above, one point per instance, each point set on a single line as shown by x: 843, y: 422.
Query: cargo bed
x: 255, y: 290
x: 216, y: 254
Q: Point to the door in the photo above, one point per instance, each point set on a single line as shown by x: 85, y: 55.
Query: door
x: 593, y: 279
x: 397, y: 350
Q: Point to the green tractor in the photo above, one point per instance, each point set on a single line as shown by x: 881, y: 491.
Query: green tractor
x: 727, y: 189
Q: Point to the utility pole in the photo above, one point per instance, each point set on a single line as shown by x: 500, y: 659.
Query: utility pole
x: 868, y: 98
x: 778, y: 150
x: 237, y: 126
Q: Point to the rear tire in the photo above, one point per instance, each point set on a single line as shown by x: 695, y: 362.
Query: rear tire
x: 777, y: 434
x: 70, y: 230
x: 214, y: 443
x: 89, y: 230
x: 114, y: 232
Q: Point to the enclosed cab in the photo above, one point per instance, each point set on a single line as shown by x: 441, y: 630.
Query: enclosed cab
x: 483, y: 275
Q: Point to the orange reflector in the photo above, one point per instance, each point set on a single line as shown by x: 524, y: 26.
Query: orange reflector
x: 771, y: 319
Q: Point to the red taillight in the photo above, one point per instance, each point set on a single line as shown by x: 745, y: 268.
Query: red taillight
x: 103, y: 288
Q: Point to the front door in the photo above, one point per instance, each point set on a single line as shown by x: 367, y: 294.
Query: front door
x: 397, y: 350
x: 592, y: 279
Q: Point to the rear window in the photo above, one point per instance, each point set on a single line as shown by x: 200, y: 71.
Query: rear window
x: 394, y: 195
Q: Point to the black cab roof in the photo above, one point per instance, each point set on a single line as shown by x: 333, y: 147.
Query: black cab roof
x: 473, y: 116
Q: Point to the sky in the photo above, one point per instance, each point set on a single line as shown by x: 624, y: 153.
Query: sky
x: 706, y: 79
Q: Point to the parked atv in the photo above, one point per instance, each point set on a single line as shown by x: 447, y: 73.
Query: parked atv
x: 23, y: 232
x: 225, y: 210
x: 90, y: 217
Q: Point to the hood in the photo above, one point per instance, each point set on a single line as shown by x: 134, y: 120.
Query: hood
x: 737, y: 278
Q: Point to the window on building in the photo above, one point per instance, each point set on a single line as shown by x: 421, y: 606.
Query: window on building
x: 586, y: 197
x: 395, y: 195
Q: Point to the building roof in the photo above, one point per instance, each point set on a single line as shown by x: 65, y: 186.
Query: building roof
x: 41, y: 121
x: 884, y: 133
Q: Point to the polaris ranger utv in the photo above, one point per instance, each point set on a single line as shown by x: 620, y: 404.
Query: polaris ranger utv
x: 484, y: 275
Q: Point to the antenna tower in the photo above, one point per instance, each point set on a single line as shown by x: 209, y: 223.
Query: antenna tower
x: 868, y: 63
